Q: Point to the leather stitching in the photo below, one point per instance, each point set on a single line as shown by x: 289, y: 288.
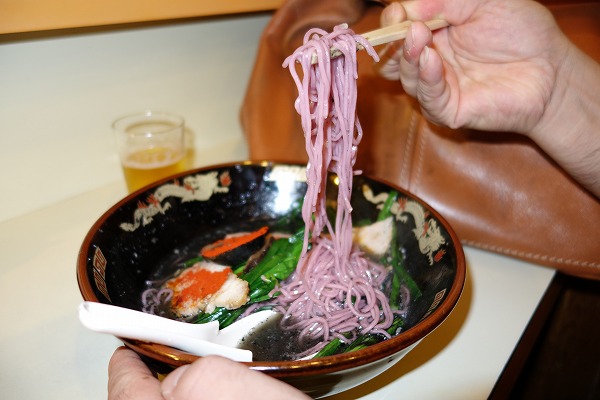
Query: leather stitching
x: 545, y: 258
x: 412, y: 129
x: 421, y: 155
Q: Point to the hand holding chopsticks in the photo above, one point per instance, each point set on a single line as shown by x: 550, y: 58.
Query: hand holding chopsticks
x: 398, y: 31
x: 389, y: 34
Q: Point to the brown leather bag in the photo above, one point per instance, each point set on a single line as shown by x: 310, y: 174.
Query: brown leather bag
x: 499, y: 191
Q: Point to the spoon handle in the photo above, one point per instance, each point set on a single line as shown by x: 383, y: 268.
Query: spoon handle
x: 131, y: 324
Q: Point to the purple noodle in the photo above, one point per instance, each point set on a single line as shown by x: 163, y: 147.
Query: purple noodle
x: 335, y: 290
x: 153, y: 298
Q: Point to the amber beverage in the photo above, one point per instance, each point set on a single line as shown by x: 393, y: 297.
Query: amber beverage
x: 151, y: 146
x: 146, y: 166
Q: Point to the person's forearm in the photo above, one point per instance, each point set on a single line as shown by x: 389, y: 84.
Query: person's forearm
x: 569, y: 130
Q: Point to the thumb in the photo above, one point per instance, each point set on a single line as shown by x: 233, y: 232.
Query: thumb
x: 423, y: 10
x: 214, y: 377
x: 130, y: 378
x: 392, y: 14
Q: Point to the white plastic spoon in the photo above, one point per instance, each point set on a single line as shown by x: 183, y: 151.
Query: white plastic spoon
x: 198, y: 339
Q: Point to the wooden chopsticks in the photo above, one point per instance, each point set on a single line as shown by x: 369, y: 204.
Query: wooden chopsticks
x: 398, y: 31
x: 389, y: 34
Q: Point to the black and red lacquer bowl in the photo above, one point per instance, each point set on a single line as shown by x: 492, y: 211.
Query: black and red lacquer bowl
x: 157, y: 227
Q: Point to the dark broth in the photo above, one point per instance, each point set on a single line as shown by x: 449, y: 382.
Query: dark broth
x: 268, y: 342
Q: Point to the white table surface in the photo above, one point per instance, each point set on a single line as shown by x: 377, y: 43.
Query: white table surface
x: 46, y: 353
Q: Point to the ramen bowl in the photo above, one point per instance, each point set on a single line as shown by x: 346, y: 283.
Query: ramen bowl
x: 144, y: 236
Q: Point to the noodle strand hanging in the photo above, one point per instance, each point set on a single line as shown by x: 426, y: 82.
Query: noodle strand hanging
x: 335, y: 291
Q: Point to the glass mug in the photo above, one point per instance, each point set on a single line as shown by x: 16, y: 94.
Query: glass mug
x: 151, y: 146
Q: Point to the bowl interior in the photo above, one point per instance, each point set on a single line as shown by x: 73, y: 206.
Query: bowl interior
x: 148, y: 234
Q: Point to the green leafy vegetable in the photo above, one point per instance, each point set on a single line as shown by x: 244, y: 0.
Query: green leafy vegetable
x: 337, y: 346
x: 397, y: 259
x: 386, y: 210
x: 369, y: 339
